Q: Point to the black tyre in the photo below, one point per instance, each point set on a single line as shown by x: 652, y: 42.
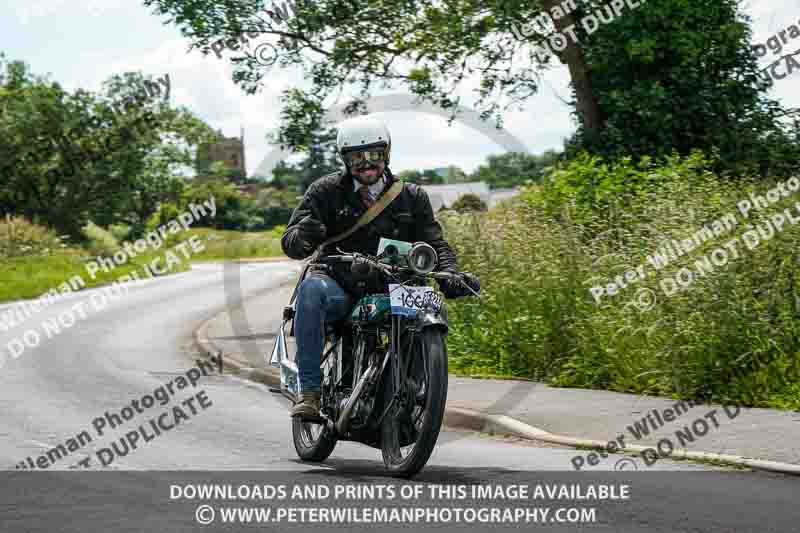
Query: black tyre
x: 409, y: 436
x: 313, y: 442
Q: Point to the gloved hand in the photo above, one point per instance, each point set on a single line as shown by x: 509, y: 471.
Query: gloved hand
x: 311, y: 232
x: 454, y: 288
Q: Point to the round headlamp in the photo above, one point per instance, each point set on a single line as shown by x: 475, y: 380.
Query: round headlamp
x: 422, y: 258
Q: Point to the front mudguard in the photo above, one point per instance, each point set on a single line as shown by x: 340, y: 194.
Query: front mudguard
x: 423, y: 321
x: 431, y: 319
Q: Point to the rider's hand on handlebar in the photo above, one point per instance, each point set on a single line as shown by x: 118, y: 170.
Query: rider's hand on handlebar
x: 455, y: 287
x: 311, y: 231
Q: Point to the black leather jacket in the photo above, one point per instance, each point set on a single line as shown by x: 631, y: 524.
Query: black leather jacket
x: 334, y: 201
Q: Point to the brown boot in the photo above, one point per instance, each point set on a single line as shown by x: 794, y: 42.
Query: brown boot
x: 308, y: 407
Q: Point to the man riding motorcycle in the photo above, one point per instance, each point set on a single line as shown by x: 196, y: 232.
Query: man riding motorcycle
x: 332, y: 205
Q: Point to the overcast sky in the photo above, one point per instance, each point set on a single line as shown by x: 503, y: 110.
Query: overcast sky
x: 83, y: 42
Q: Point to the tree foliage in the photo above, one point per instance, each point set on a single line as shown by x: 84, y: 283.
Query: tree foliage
x: 428, y: 47
x: 665, y: 75
x: 68, y: 158
x: 320, y: 160
x: 513, y: 169
x: 676, y: 76
x: 424, y: 177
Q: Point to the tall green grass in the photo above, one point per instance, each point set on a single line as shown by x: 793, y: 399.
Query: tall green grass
x: 731, y: 336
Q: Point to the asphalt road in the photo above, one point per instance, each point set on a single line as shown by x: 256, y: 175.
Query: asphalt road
x: 60, y: 391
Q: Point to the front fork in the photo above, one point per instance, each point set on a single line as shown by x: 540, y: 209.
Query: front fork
x: 398, y: 377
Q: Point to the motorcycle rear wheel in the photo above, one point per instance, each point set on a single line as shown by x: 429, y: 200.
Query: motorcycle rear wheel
x: 313, y: 442
x: 428, y: 365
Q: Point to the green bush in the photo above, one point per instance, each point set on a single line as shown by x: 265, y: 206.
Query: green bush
x: 100, y: 242
x: 166, y: 212
x: 121, y: 232
x: 469, y: 202
x: 19, y: 237
x: 733, y: 335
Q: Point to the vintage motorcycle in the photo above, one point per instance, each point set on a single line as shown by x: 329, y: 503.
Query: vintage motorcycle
x: 384, y: 368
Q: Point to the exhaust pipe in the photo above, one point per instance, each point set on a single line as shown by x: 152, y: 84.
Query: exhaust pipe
x: 343, y: 424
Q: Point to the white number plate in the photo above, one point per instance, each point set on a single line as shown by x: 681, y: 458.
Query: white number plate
x: 407, y: 300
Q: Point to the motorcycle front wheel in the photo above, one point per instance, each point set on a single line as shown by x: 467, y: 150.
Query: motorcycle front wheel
x: 409, y: 437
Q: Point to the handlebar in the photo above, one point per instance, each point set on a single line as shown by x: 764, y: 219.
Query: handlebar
x: 355, y: 257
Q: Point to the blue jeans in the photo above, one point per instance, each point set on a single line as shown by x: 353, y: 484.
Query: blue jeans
x: 320, y: 300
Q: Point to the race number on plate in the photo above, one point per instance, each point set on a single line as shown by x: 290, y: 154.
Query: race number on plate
x: 407, y: 300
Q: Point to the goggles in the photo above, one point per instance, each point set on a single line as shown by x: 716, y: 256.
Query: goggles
x: 364, y: 158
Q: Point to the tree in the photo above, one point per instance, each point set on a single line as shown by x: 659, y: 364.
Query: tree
x: 285, y: 175
x: 430, y: 177
x: 410, y: 176
x: 513, y: 169
x: 320, y: 160
x: 682, y: 72
x: 677, y: 76
x: 68, y: 158
x: 235, y: 211
x: 345, y: 43
x: 277, y: 205
x: 425, y: 177
x: 455, y: 175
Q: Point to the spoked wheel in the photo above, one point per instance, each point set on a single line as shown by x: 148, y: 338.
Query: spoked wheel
x: 315, y: 442
x: 409, y: 432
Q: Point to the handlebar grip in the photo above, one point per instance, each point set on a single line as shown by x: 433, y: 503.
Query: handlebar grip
x: 360, y: 268
x: 335, y: 259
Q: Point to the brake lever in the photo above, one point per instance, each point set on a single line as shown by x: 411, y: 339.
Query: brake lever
x: 470, y: 288
x: 462, y: 282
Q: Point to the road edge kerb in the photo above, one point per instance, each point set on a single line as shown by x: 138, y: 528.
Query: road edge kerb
x: 461, y: 418
x: 216, y: 355
x: 506, y: 425
x: 213, y: 352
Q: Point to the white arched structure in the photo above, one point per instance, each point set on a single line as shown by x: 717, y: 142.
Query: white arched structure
x: 406, y: 102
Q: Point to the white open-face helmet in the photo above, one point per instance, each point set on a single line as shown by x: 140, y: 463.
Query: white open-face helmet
x: 366, y: 134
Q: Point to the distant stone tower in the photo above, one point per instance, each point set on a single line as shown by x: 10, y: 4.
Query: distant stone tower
x: 228, y: 150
